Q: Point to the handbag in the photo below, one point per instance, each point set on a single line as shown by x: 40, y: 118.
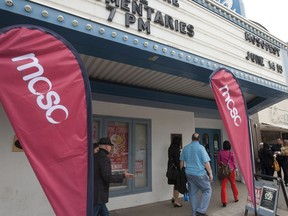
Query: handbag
x: 224, y: 170
x: 172, y: 172
x: 276, y: 165
x: 181, y: 183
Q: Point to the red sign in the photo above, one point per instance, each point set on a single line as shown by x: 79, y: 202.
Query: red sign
x: 46, y: 95
x: 119, y: 137
x: 232, y: 107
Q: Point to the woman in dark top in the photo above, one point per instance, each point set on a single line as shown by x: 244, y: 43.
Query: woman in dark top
x: 268, y: 159
x: 174, y: 157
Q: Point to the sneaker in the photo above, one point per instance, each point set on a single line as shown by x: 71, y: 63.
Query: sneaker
x: 172, y: 200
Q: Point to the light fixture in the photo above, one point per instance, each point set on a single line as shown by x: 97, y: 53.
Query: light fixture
x: 60, y: 18
x: 45, y: 13
x: 88, y: 26
x: 75, y: 23
x: 9, y: 3
x: 28, y: 8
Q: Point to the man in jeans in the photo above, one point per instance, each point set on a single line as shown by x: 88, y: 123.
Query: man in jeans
x: 196, y: 159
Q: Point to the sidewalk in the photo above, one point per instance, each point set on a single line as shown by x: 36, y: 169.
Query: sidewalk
x: 215, y: 208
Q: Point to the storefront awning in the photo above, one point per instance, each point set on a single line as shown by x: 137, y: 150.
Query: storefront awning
x: 273, y: 127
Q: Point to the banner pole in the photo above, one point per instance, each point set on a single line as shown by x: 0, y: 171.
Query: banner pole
x: 253, y: 164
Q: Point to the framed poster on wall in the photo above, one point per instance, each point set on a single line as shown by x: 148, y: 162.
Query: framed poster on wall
x: 118, y: 134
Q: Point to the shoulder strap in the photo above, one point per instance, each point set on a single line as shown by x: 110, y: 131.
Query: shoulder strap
x: 229, y: 156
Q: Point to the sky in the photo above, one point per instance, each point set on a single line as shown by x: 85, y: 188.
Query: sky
x: 272, y: 14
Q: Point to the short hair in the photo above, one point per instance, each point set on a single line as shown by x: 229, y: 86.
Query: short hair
x: 195, y: 136
x: 226, y: 145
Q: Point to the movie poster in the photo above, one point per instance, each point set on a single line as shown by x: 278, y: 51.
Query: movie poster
x: 118, y: 134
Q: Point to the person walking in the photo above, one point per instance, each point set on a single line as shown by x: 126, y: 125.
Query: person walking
x: 261, y: 159
x: 196, y: 160
x: 174, y: 159
x: 103, y: 177
x: 279, y: 157
x: 284, y: 154
x: 268, y: 159
x: 226, y: 156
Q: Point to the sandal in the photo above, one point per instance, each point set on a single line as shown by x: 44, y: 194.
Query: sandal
x: 177, y: 205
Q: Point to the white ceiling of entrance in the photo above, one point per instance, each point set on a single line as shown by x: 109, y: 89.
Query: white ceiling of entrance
x: 106, y: 70
x: 272, y: 127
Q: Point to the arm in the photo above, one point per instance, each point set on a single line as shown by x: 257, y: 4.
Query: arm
x: 208, y: 168
x: 177, y: 158
x: 105, y: 169
x: 219, y: 158
x: 233, y: 160
x: 106, y: 172
x: 118, y: 178
x: 181, y: 164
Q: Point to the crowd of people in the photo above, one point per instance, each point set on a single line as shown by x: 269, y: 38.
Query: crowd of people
x: 268, y: 153
x: 195, y: 162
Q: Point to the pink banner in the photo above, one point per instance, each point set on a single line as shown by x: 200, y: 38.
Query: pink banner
x: 232, y: 108
x: 46, y: 95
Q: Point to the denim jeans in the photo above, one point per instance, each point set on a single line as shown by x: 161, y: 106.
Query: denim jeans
x: 101, y: 209
x: 196, y: 183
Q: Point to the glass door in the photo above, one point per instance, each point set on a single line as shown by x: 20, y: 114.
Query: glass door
x: 210, y: 139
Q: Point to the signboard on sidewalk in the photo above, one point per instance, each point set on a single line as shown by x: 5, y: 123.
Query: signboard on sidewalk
x: 268, y: 202
x: 249, y: 204
x: 267, y: 194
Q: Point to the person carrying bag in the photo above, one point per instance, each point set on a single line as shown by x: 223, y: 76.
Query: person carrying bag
x: 227, y: 167
x: 224, y: 170
x: 173, y: 168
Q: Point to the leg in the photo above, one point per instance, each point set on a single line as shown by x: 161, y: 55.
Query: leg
x: 97, y: 209
x: 234, y: 188
x: 223, y: 191
x: 175, y: 197
x: 193, y: 190
x: 270, y: 171
x: 279, y: 174
x: 285, y: 170
x: 204, y: 185
x: 104, y: 210
x: 263, y: 171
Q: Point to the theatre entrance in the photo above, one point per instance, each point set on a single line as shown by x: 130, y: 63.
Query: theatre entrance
x: 211, y: 140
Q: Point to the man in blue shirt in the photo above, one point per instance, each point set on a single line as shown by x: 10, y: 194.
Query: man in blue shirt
x: 196, y: 159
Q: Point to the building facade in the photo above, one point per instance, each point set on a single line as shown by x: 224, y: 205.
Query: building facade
x: 149, y: 64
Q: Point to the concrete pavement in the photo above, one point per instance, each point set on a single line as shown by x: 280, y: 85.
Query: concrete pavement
x: 215, y: 207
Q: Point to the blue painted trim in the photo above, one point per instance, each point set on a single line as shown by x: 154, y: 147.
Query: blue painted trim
x: 156, y: 97
x: 147, y: 94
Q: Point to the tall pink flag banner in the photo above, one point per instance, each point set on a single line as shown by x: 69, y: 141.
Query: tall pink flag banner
x: 46, y: 95
x: 232, y: 108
